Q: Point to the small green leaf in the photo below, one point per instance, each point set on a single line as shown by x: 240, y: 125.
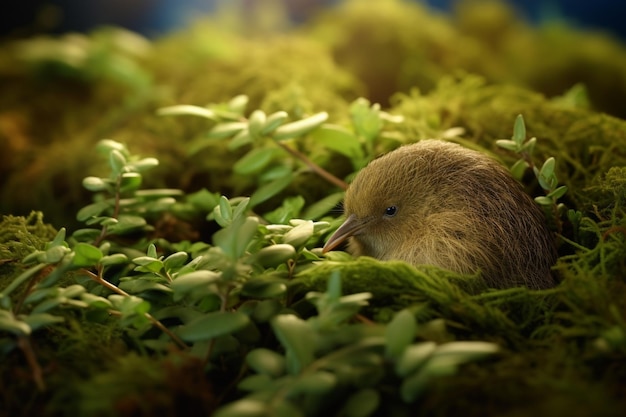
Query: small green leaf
x: 86, y: 234
x: 175, y: 260
x: 148, y: 264
x: 323, y: 206
x: 547, y: 170
x: 241, y: 208
x: 263, y: 288
x: 413, y: 357
x: 366, y: 119
x: 255, y: 160
x: 143, y: 164
x: 72, y: 291
x: 226, y: 130
x: 529, y: 146
x: 213, y: 325
x: 107, y: 145
x: 138, y: 286
x: 339, y: 139
x: 187, y: 110
x: 246, y: 407
x: 300, y: 234
x: 56, y: 253
x: 320, y: 382
x: 9, y: 323
x: 274, y: 255
x: 269, y: 190
x: 244, y: 235
x: 193, y: 280
x: 159, y: 193
x: 241, y: 139
x: 130, y: 181
x: 95, y: 301
x: 267, y: 362
x: 509, y: 145
x: 41, y: 294
x: 273, y: 121
x: 518, y: 169
x: 59, y: 239
x: 152, y: 251
x: 117, y: 161
x: 127, y: 223
x: 558, y: 192
x: 86, y: 255
x: 467, y: 351
x: 256, y: 121
x: 544, y: 201
x: 299, y: 128
x: 238, y: 103
x: 37, y: 321
x: 204, y: 199
x: 92, y: 210
x: 399, y: 333
x: 95, y: 184
x: 298, y: 339
x: 223, y: 212
x: 129, y: 305
x: 519, y: 130
x: 290, y: 208
x: 115, y: 259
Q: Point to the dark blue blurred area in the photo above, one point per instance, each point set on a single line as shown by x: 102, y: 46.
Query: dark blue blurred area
x: 156, y: 17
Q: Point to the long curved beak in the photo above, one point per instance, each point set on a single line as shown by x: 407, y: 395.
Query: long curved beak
x: 351, y: 227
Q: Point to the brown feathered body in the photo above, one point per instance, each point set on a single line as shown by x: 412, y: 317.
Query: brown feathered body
x: 437, y: 203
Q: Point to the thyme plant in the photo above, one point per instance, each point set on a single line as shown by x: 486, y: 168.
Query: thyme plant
x: 232, y: 301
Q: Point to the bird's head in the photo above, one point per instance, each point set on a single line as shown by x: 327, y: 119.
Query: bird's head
x: 385, y: 204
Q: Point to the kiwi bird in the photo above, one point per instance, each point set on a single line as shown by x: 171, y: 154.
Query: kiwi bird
x: 438, y: 203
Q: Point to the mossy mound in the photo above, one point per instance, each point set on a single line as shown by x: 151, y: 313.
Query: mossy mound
x: 482, y: 37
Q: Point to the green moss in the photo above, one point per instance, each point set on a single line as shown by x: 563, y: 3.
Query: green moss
x: 19, y: 236
x: 561, y: 346
x: 396, y: 45
x: 586, y: 144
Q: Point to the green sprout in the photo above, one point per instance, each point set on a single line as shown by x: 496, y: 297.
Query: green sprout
x: 546, y: 174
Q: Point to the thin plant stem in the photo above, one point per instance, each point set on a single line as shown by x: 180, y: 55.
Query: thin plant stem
x: 98, y: 278
x: 25, y: 346
x: 314, y: 167
x: 116, y: 211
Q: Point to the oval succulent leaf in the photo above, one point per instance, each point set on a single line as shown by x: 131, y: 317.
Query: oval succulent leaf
x: 187, y: 110
x: 213, y: 325
x: 274, y: 255
x: 298, y: 339
x: 399, y: 333
x: 95, y: 184
x: 265, y: 361
x: 273, y: 121
x: 256, y: 123
x: 519, y: 130
x: 299, y: 128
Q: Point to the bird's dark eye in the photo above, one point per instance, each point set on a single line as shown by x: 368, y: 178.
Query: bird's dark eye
x: 391, y: 211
